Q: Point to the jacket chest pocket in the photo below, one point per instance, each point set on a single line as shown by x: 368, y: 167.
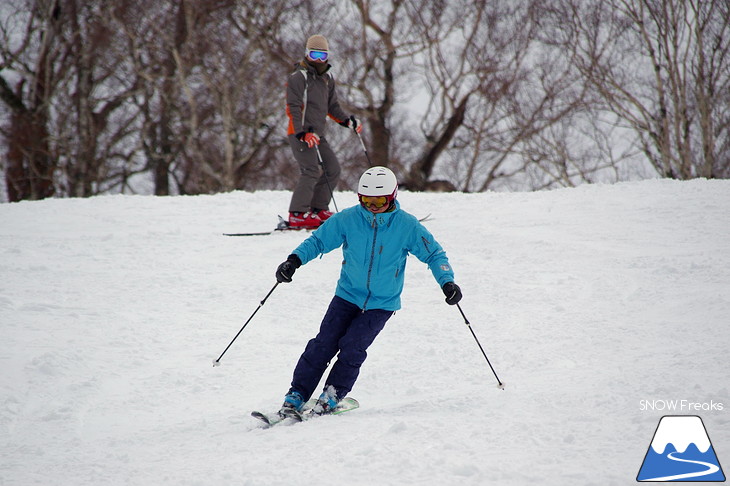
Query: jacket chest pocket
x: 380, y: 265
x: 390, y: 265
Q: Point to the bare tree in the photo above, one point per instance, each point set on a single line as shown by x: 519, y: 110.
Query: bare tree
x: 501, y: 106
x: 28, y: 54
x: 92, y: 129
x: 243, y: 75
x: 663, y: 67
x: 211, y: 100
x: 69, y: 130
x: 188, y: 95
x: 154, y: 35
x: 470, y: 75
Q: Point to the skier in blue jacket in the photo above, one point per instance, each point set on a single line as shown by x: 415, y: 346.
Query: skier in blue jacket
x: 376, y: 236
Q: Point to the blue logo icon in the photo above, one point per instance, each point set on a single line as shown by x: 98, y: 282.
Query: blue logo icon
x: 681, y: 451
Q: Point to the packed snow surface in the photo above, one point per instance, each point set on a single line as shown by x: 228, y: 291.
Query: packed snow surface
x: 597, y: 306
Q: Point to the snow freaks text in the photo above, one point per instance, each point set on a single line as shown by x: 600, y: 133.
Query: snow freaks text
x: 680, y: 406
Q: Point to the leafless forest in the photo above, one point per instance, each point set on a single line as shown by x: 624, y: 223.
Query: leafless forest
x: 187, y: 96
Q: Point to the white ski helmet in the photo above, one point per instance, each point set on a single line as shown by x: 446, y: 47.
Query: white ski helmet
x: 378, y: 181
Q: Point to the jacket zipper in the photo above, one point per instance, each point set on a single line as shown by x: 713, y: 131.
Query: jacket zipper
x: 372, y: 260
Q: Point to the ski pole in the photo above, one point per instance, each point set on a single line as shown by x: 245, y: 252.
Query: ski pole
x: 217, y: 362
x: 324, y: 170
x: 364, y: 149
x: 466, y: 321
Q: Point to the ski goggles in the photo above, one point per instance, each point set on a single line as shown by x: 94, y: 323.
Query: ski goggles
x: 377, y: 201
x: 317, y: 55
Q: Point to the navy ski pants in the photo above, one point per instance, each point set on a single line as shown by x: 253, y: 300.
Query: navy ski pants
x: 347, y: 329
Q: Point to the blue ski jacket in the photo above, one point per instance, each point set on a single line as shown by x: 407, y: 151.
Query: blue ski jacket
x: 375, y: 248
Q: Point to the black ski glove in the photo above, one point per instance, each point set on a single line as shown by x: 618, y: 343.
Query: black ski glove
x: 352, y: 123
x: 452, y: 293
x: 286, y: 270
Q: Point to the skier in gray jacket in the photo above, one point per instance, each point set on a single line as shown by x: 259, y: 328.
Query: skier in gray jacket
x: 310, y: 98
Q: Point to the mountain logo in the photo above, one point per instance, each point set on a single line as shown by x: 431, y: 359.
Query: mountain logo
x: 681, y: 451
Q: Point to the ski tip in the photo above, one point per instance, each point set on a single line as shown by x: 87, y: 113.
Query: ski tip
x: 263, y: 418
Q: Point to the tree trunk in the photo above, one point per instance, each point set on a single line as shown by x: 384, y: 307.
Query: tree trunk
x: 421, y: 170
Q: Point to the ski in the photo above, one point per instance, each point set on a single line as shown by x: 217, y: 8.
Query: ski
x: 271, y: 419
x: 268, y: 419
x: 284, y: 226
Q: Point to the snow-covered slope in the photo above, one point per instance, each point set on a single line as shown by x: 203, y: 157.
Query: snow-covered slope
x: 587, y: 301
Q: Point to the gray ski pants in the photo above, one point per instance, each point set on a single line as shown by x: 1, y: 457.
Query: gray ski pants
x: 312, y: 191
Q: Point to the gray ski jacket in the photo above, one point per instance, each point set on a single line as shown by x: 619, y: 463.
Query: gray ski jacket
x: 310, y: 98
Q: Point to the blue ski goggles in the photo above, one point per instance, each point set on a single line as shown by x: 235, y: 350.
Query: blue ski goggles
x: 317, y: 55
